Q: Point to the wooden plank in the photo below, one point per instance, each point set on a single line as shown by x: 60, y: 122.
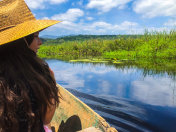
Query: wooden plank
x: 71, y: 105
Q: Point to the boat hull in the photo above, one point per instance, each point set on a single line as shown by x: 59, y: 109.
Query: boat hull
x: 70, y: 105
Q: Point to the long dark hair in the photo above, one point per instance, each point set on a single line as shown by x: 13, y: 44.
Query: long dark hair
x: 26, y: 87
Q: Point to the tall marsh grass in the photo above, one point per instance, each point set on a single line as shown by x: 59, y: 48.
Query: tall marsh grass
x: 151, y: 45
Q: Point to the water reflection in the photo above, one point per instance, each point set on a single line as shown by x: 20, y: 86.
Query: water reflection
x: 155, y: 91
x: 129, y: 97
x: 126, y: 115
x: 128, y: 83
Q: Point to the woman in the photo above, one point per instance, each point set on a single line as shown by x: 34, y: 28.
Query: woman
x: 28, y: 92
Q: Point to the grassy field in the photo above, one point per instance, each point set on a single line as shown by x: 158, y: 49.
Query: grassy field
x: 151, y: 45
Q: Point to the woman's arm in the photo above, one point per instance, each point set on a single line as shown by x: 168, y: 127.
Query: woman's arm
x: 50, y: 108
x: 49, y: 113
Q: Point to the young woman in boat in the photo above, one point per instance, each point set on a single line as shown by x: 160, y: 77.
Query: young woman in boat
x: 28, y: 92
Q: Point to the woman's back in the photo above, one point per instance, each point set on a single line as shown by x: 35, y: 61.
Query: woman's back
x: 26, y: 88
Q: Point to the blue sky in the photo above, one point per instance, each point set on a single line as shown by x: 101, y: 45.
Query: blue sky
x: 105, y: 16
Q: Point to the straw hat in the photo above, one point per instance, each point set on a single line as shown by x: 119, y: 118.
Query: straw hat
x: 17, y: 21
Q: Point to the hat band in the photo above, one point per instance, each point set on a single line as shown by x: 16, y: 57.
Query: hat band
x: 7, y: 27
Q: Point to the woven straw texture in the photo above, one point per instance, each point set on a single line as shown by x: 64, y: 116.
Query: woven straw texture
x: 17, y: 21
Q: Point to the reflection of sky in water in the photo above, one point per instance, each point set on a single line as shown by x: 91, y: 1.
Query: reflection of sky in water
x: 109, y: 81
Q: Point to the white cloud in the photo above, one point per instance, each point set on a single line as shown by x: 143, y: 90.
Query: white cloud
x: 153, y: 30
x: 80, y: 3
x: 99, y: 27
x: 57, y: 1
x: 153, y: 8
x: 170, y: 23
x: 33, y: 4
x: 127, y: 25
x: 89, y: 18
x: 45, y: 18
x: 41, y: 4
x: 71, y: 15
x: 160, y: 29
x: 66, y: 25
x: 106, y: 5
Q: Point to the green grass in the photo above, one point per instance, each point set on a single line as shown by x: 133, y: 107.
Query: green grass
x: 153, y: 45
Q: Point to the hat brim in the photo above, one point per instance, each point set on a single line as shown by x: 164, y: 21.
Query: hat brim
x: 24, y: 29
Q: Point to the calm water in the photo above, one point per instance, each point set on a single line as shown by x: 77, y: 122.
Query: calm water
x: 128, y: 100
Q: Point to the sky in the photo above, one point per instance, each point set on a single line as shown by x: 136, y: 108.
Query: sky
x: 105, y: 17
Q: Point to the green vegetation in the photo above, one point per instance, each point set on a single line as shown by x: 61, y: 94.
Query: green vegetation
x: 149, y: 46
x: 154, y: 53
x: 61, y: 40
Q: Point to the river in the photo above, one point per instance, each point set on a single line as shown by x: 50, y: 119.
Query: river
x: 129, y: 99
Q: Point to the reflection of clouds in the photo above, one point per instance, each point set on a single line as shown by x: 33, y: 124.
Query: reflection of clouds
x: 104, y: 87
x: 90, y: 67
x: 155, y: 91
x: 73, y: 74
x: 65, y: 73
x: 120, y: 90
x: 99, y: 69
x: 72, y: 80
x: 89, y: 77
x: 109, y: 81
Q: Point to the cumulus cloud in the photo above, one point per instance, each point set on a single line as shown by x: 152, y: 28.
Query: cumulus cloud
x: 41, y: 4
x: 160, y: 29
x: 45, y: 18
x: 89, y: 18
x: 107, y: 5
x: 170, y: 23
x: 66, y: 25
x: 71, y: 15
x: 126, y: 25
x: 57, y: 1
x: 99, y: 27
x: 153, y: 8
x: 80, y: 2
x: 33, y: 4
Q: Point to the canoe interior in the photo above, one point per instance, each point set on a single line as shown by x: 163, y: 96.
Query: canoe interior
x: 70, y: 106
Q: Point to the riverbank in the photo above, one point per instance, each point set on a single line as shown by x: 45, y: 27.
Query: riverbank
x: 148, y: 46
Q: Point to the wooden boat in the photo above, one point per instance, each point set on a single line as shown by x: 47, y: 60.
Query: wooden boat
x: 71, y: 105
